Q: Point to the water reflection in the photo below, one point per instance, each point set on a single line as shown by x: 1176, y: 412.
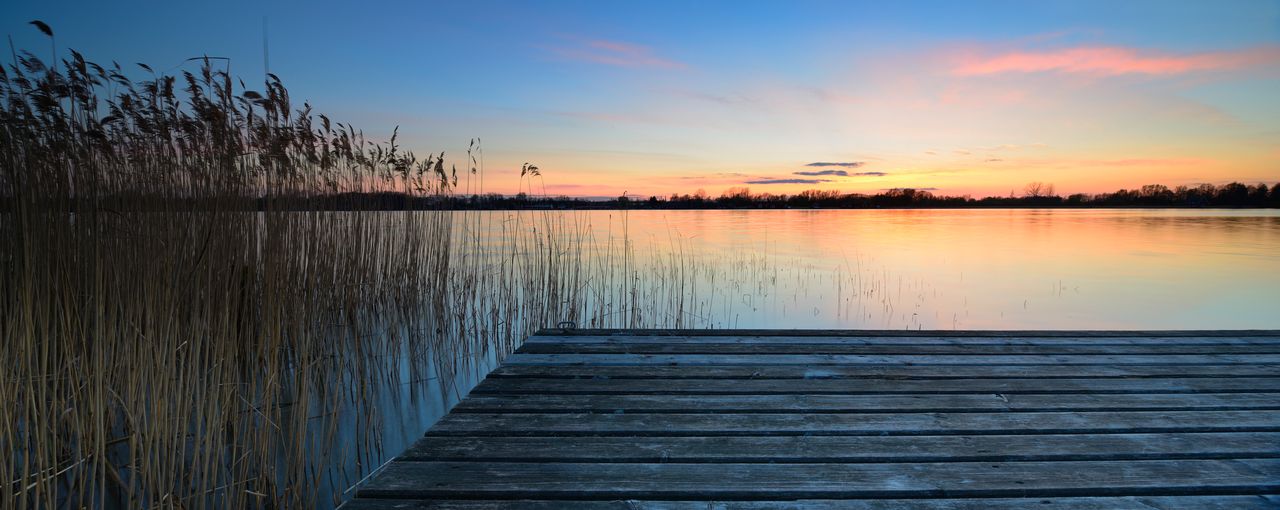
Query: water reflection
x: 881, y: 269
x: 969, y: 269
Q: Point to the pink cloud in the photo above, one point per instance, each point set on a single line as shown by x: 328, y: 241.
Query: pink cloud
x: 1113, y: 61
x: 618, y: 54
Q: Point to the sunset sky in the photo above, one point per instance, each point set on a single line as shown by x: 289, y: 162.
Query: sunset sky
x: 655, y: 98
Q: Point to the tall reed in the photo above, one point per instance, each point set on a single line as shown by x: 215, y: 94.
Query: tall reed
x: 188, y: 322
x: 179, y: 312
x: 202, y: 306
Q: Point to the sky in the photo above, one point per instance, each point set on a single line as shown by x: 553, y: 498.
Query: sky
x: 654, y: 98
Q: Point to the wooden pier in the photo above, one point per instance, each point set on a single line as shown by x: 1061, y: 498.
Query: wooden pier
x: 857, y: 419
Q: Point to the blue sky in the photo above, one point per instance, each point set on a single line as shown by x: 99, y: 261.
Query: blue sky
x: 660, y: 97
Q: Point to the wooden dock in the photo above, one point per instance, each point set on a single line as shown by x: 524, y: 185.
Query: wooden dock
x: 857, y: 419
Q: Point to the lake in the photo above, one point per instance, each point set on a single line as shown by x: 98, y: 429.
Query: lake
x: 952, y: 269
x: 827, y: 269
x: 389, y: 318
x: 875, y: 269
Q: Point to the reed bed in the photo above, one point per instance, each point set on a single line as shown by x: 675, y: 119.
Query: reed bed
x: 189, y: 323
x: 178, y: 308
x: 183, y: 318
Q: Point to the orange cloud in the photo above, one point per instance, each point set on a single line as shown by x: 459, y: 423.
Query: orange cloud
x: 618, y: 54
x: 1112, y: 61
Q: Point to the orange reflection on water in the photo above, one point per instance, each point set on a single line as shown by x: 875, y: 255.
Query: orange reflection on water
x: 969, y: 269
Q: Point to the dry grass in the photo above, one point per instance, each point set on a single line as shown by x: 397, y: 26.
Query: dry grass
x: 183, y: 327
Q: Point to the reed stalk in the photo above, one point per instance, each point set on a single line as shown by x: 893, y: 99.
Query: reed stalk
x: 188, y: 321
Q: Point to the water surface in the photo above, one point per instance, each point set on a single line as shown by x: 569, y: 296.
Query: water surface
x: 963, y: 269
x: 851, y: 269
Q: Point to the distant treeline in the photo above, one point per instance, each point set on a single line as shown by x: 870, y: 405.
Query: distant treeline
x: 1233, y: 195
x: 1035, y: 195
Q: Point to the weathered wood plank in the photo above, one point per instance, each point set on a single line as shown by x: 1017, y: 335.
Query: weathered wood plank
x: 998, y: 333
x: 856, y: 339
x: 1259, y: 502
x: 809, y: 481
x: 894, y: 359
x: 818, y: 349
x: 865, y: 403
x: 530, y: 386
x: 571, y: 424
x: 881, y: 371
x: 855, y: 449
x: 858, y: 419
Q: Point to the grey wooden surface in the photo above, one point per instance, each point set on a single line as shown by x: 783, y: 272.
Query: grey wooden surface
x: 681, y: 419
x: 1078, y: 503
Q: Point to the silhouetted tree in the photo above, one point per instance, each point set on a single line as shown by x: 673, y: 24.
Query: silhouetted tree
x: 1232, y: 195
x: 736, y: 197
x: 1258, y: 196
x: 1037, y: 190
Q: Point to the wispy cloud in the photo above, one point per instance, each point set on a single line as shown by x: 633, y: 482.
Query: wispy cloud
x: 840, y: 173
x: 617, y: 54
x: 1113, y: 61
x: 717, y: 175
x: 1011, y: 147
x: 846, y: 164
x: 1152, y: 162
x: 726, y: 100
x: 788, y: 181
x: 871, y: 174
x: 1165, y: 162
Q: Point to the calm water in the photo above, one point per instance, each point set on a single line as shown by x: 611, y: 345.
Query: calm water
x: 883, y: 269
x: 962, y: 269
